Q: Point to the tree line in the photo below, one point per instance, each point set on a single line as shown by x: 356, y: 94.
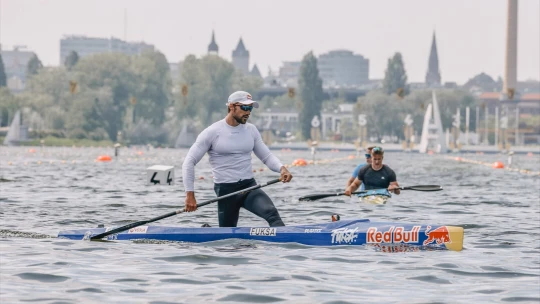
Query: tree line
x: 134, y: 100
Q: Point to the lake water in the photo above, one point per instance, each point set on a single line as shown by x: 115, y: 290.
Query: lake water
x: 46, y: 190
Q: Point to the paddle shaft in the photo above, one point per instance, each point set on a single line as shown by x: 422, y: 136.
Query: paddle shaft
x: 415, y: 188
x: 136, y: 224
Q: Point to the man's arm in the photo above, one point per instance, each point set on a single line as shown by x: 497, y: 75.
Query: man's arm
x: 394, y: 187
x: 350, y: 181
x: 194, y: 155
x: 354, y: 174
x: 352, y: 187
x: 393, y: 183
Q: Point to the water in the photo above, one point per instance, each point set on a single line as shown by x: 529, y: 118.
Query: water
x: 54, y: 189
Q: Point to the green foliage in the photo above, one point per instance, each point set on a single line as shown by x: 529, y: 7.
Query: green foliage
x: 152, y: 94
x: 395, y: 76
x: 3, y: 77
x: 34, y: 65
x: 210, y: 81
x: 71, y: 60
x: 109, y: 73
x: 9, y: 104
x: 386, y: 113
x: 311, y: 93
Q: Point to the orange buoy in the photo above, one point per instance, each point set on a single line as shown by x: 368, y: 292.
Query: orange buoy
x: 351, y: 157
x: 430, y: 152
x: 104, y: 158
x: 140, y: 153
x: 530, y: 154
x: 498, y: 165
x: 458, y: 158
x: 299, y: 162
x: 31, y: 150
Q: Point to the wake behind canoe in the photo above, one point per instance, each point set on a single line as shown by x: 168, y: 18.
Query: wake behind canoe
x: 344, y: 232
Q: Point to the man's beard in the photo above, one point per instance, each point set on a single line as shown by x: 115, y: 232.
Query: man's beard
x: 240, y: 120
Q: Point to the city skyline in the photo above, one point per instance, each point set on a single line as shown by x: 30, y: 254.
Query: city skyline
x: 474, y: 45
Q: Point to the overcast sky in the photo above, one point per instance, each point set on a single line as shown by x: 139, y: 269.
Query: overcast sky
x: 470, y: 33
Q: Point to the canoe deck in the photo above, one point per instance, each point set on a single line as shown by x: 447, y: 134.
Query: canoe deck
x: 344, y: 232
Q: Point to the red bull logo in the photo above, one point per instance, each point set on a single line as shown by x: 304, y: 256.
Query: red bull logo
x: 392, y: 235
x: 439, y: 235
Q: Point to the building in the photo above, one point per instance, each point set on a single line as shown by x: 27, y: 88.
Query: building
x: 433, y: 75
x: 289, y: 73
x: 15, y: 64
x: 342, y: 68
x: 85, y: 46
x: 213, y: 48
x: 240, y: 57
x: 255, y: 71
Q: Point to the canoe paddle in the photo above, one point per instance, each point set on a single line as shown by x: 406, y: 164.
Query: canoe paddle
x: 313, y: 197
x: 140, y: 223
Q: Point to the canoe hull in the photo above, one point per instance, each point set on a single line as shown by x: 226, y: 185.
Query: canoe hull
x: 344, y: 232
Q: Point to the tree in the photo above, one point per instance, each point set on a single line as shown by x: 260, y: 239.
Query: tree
x: 311, y: 93
x: 9, y: 104
x: 153, y: 92
x: 112, y: 79
x: 34, y: 65
x: 3, y: 77
x: 395, y: 77
x: 71, y: 60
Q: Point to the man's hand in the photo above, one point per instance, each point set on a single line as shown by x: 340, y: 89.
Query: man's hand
x: 394, y: 188
x: 286, y: 176
x: 191, y: 202
x: 348, y: 191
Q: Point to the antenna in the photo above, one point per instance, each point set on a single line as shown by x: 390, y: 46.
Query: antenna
x: 0, y: 25
x: 125, y: 24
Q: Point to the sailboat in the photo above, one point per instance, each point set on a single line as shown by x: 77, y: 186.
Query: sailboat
x: 433, y: 138
x: 17, y: 132
x: 187, y: 136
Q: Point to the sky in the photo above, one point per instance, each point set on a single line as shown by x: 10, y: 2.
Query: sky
x: 471, y: 34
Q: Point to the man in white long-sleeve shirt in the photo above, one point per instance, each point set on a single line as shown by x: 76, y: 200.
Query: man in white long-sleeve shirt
x: 229, y: 144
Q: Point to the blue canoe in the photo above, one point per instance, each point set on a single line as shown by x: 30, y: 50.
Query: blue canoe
x: 344, y: 232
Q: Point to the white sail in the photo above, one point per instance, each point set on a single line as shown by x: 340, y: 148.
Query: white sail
x: 186, y: 138
x: 441, y: 142
x: 432, y: 131
x: 423, y: 147
x: 14, y: 133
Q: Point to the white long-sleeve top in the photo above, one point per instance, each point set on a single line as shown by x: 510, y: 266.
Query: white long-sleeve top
x: 229, y: 149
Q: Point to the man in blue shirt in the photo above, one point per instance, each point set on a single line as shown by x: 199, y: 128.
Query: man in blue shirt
x: 357, y: 169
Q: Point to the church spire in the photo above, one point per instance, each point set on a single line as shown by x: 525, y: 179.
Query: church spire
x: 433, y: 75
x: 213, y: 47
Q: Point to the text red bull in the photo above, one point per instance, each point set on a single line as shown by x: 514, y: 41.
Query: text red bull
x: 392, y: 235
x: 439, y: 235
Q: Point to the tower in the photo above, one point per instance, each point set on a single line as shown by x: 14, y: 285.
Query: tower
x: 213, y: 48
x: 240, y: 57
x: 433, y: 75
x: 510, y: 71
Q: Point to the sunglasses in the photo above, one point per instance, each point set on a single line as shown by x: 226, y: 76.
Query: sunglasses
x: 367, y: 155
x: 377, y: 149
x: 245, y: 107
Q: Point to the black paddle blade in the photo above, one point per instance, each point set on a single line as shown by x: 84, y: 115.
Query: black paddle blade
x: 424, y: 188
x: 313, y: 197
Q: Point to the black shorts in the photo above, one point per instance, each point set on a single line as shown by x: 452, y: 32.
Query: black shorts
x: 255, y: 201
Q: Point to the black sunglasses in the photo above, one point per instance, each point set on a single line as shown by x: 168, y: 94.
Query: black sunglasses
x: 244, y: 107
x: 367, y: 155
